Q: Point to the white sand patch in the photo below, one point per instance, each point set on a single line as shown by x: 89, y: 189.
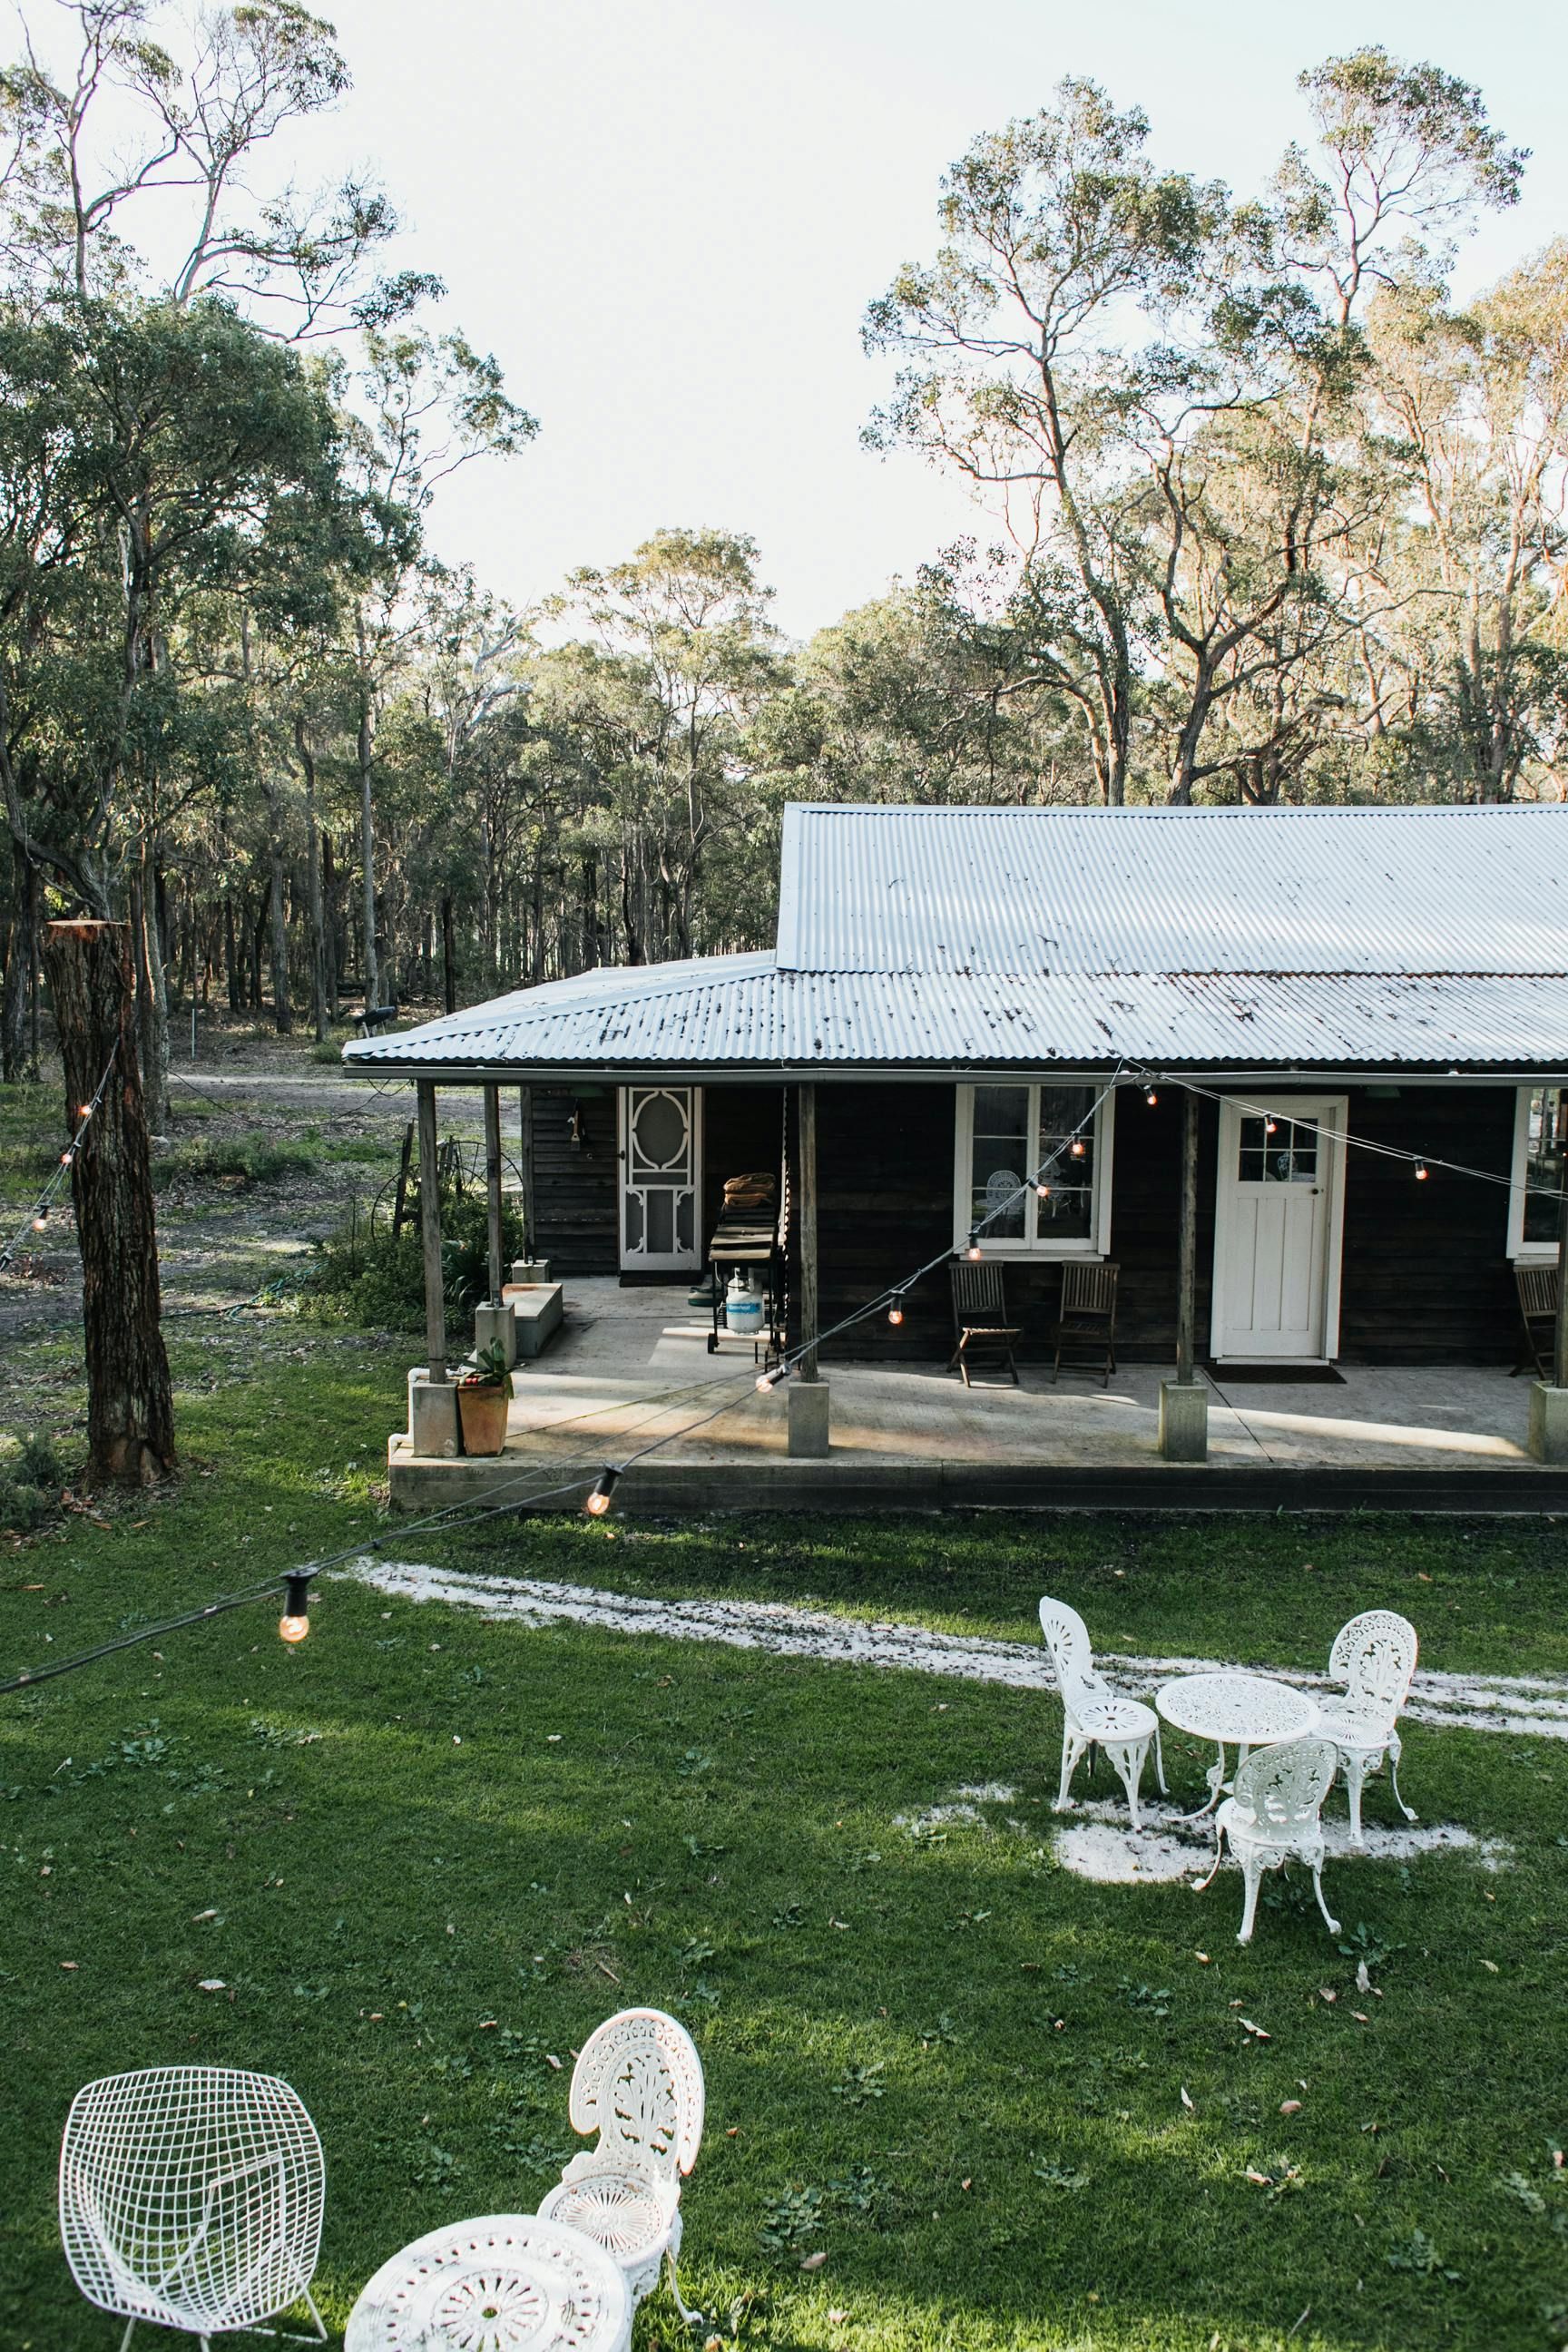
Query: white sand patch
x: 1535, y: 1706
x: 1101, y: 1845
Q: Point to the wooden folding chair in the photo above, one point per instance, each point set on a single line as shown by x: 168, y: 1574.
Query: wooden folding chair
x: 1085, y: 1324
x: 1537, y: 1288
x: 984, y: 1338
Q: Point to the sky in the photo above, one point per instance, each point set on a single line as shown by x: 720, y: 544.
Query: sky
x: 666, y: 218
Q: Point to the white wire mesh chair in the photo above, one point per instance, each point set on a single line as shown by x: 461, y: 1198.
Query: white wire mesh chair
x: 1274, y: 1818
x: 1374, y: 1657
x: 192, y: 2196
x: 1093, y: 1713
x: 639, y: 2083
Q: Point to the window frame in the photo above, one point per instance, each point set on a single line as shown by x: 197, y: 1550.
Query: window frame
x: 1522, y: 1251
x: 1026, y: 1250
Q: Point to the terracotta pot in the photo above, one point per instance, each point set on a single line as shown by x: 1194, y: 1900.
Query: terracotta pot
x: 481, y: 1409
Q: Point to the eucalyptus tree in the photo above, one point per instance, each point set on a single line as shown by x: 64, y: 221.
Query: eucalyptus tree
x: 1055, y: 231
x: 1477, y: 401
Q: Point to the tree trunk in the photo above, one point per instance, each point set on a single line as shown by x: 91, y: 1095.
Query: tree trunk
x: 333, y: 947
x: 131, y: 1415
x: 448, y: 958
x: 18, y: 974
x: 231, y: 958
x: 282, y: 1012
x: 367, y: 839
x: 307, y: 760
x: 151, y: 998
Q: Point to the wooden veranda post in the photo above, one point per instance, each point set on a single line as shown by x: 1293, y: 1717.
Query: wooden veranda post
x: 806, y: 1205
x: 525, y: 1147
x: 1560, y: 1331
x: 430, y: 1236
x: 492, y: 1189
x: 1187, y: 1246
x: 129, y: 1408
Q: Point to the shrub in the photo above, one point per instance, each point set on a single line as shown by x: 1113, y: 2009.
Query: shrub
x: 368, y: 1279
x: 31, y: 1480
x: 242, y: 1159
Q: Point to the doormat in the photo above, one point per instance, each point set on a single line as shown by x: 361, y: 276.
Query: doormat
x: 1275, y: 1376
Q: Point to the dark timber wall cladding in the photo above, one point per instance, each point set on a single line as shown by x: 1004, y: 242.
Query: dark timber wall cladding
x: 575, y: 1201
x: 1425, y: 1274
x: 576, y: 1186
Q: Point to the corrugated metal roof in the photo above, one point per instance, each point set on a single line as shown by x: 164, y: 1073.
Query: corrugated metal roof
x: 726, y: 1012
x: 1045, y: 891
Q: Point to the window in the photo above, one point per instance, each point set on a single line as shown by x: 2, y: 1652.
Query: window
x: 1006, y: 1134
x: 1540, y: 1134
x: 1276, y: 1150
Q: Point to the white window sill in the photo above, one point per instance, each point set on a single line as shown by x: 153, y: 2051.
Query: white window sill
x: 1025, y: 1253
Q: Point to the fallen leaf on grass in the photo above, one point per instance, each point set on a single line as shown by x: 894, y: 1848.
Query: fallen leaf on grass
x: 1248, y: 2026
x: 1327, y: 1993
x: 1361, y: 2017
x: 1362, y: 1981
x: 1289, y: 2107
x: 1491, y: 1965
x: 212, y: 1984
x: 1187, y: 2100
x: 814, y: 2262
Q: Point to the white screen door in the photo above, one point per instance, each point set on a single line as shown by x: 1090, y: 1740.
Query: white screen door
x: 661, y: 1176
x: 1277, y: 1232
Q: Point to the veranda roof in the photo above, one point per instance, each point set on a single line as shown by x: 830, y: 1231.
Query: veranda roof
x: 958, y: 939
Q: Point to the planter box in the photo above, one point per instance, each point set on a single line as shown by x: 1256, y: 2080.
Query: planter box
x: 482, y: 1412
x: 537, y: 1309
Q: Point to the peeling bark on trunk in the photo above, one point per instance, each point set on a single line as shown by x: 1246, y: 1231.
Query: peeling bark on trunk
x: 130, y: 1417
x: 18, y: 974
x: 282, y: 1010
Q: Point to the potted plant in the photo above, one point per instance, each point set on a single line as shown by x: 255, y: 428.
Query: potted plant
x: 484, y: 1393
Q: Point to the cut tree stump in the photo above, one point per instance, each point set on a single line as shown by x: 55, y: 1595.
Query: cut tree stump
x: 129, y: 1407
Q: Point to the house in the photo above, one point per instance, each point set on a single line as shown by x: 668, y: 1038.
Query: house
x: 1358, y: 1015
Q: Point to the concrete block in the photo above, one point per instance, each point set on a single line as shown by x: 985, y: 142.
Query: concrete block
x: 1547, y: 1421
x: 537, y: 1309
x: 493, y: 1323
x: 530, y: 1269
x: 809, y: 1423
x: 1184, y: 1421
x: 433, y: 1417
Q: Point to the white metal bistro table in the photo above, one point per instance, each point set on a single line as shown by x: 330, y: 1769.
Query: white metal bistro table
x: 1245, y: 1711
x: 506, y: 2283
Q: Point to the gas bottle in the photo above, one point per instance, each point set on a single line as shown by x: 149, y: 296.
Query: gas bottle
x: 743, y: 1307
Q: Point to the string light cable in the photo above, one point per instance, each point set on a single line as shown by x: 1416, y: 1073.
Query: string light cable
x: 599, y: 1479
x: 37, y: 1216
x: 1421, y: 1164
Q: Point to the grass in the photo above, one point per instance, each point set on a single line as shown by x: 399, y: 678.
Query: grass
x: 424, y: 1854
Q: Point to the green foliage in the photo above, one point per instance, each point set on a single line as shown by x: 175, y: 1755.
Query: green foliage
x: 238, y: 1161
x: 363, y: 1275
x: 31, y: 1480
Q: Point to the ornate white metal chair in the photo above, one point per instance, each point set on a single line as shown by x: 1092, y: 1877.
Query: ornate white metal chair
x: 192, y: 2196
x: 1374, y: 1657
x: 639, y: 2083
x: 1094, y: 1715
x: 1273, y: 1818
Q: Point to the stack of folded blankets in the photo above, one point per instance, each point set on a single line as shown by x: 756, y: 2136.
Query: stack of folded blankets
x: 748, y: 1195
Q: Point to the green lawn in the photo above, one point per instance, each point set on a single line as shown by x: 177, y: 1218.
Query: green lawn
x: 425, y: 1855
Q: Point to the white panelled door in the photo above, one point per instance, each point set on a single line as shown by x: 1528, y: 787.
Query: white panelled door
x: 1278, y: 1218
x: 661, y: 1178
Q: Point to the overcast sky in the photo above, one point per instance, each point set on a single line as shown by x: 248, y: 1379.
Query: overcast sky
x: 666, y: 216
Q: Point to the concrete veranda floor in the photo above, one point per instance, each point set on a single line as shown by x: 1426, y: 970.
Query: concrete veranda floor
x: 630, y: 1366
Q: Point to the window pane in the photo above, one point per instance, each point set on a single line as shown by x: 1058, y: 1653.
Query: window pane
x: 1066, y: 1213
x: 1274, y: 1150
x: 1543, y: 1161
x: 1000, y: 1160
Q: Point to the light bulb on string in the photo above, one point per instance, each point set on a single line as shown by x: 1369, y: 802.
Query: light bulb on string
x: 1422, y: 1171
x: 767, y: 1382
x: 1043, y: 1191
x: 295, y: 1622
x: 1078, y: 1147
x: 67, y: 1157
x: 974, y: 1251
x: 598, y: 1502
x: 896, y: 1311
x: 40, y: 1220
x: 86, y: 1112
x: 1270, y: 1127
x: 1150, y: 1096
